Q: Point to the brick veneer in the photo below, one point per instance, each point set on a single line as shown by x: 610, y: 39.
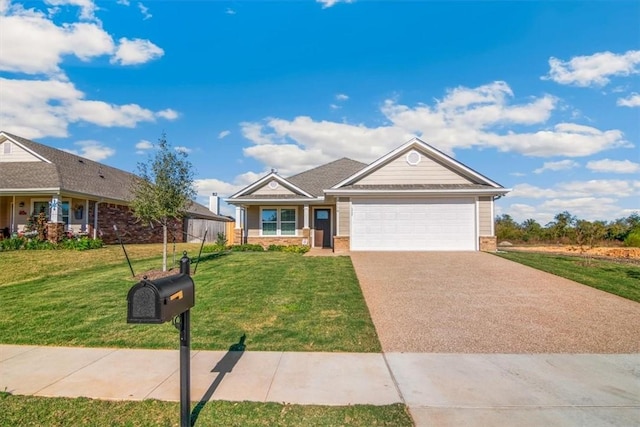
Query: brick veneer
x: 129, y: 230
x: 488, y: 243
x: 341, y: 244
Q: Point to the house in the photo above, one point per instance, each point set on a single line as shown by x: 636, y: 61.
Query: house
x: 413, y: 198
x: 79, y: 195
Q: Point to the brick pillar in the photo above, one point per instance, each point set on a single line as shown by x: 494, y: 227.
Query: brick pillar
x: 341, y: 244
x: 55, y: 231
x: 306, y: 236
x: 488, y: 243
x: 238, y: 236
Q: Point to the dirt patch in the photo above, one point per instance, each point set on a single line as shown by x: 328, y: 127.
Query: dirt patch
x: 156, y: 274
x: 597, y: 252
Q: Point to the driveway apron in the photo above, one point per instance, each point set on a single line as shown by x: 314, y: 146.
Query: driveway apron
x: 474, y: 302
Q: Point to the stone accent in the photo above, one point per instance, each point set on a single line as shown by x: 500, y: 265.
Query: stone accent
x: 488, y: 243
x: 129, y: 230
x: 238, y: 236
x: 276, y: 240
x: 341, y: 244
x: 55, y: 231
x: 306, y: 237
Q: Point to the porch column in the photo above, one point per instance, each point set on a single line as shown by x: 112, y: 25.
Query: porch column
x: 238, y: 217
x: 14, y: 227
x: 306, y: 216
x: 55, y: 209
x: 306, y: 232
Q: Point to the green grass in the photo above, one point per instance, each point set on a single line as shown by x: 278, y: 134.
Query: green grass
x: 622, y: 279
x: 281, y: 301
x: 38, y: 411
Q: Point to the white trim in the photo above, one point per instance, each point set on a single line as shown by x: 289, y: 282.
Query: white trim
x: 477, y: 226
x: 493, y: 219
x: 2, y: 134
x: 416, y: 143
x: 258, y: 183
x: 382, y: 193
x: 277, y: 201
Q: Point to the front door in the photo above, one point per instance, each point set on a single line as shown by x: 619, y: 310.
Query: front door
x: 322, y: 222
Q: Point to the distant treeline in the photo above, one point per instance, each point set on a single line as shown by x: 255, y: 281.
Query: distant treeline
x: 569, y: 229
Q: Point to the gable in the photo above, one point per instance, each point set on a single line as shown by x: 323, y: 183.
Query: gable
x: 272, y: 187
x: 413, y: 167
x: 11, y: 152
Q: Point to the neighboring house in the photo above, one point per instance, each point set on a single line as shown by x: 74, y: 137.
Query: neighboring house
x: 413, y: 198
x: 80, y: 196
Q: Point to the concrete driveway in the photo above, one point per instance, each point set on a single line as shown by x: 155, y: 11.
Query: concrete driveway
x: 473, y: 302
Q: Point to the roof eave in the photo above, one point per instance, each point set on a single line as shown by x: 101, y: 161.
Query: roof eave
x: 419, y: 192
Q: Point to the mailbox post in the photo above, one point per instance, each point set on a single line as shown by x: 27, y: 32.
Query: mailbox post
x: 185, y: 360
x: 161, y: 300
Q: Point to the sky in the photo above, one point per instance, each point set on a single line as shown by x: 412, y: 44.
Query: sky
x: 542, y: 97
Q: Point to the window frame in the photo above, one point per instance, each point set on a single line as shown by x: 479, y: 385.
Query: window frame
x: 279, y: 221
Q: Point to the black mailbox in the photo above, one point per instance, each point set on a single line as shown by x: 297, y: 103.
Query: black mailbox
x: 160, y: 300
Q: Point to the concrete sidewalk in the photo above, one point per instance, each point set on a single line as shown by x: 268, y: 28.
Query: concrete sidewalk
x: 439, y: 389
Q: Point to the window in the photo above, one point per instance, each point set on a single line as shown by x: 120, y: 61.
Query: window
x: 278, y: 221
x: 41, y: 207
x: 7, y: 147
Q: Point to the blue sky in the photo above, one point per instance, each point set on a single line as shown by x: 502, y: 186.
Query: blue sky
x: 542, y: 97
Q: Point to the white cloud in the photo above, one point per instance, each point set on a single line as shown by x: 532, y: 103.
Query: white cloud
x: 136, y: 51
x: 47, y: 44
x: 613, y: 166
x: 334, y: 106
x: 87, y: 7
x: 183, y: 149
x: 143, y: 146
x: 42, y: 108
x: 168, y: 114
x: 145, y: 11
x: 205, y: 187
x: 92, y: 150
x: 123, y: 2
x: 342, y: 97
x: 632, y: 100
x: 224, y: 134
x: 557, y: 166
x: 230, y: 11
x: 594, y: 69
x: 481, y: 117
x: 591, y: 200
x: 330, y: 3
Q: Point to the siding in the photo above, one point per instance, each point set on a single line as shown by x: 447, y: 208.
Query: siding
x: 343, y: 209
x: 279, y: 190
x: 485, y: 218
x: 398, y: 171
x: 17, y: 154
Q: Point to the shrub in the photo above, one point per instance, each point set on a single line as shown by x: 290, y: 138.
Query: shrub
x: 633, y: 239
x: 247, y: 248
x: 294, y: 249
x: 81, y: 243
x: 221, y: 240
x: 12, y: 244
x: 208, y: 249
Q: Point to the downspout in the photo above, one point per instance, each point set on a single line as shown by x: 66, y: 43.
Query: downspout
x: 95, y: 219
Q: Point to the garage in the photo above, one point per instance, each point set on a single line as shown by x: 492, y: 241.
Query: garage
x: 413, y: 224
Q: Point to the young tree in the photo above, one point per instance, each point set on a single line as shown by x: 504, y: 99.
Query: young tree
x: 163, y: 189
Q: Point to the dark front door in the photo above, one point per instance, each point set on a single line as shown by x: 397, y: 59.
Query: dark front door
x: 322, y: 222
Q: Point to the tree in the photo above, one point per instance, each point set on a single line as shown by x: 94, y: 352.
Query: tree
x: 163, y: 189
x: 507, y: 228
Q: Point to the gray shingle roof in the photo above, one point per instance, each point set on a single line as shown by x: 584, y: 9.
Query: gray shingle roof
x: 315, y: 180
x: 74, y: 174
x: 419, y: 187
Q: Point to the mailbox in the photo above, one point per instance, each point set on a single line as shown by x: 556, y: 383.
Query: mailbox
x: 160, y: 300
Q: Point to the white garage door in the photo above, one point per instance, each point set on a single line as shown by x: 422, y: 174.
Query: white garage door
x: 436, y: 224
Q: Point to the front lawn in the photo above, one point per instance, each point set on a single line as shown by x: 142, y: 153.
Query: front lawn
x: 621, y: 279
x: 280, y: 301
x: 40, y: 411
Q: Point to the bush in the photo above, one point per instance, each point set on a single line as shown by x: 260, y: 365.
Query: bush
x: 208, y: 249
x: 81, y: 243
x: 633, y: 239
x: 247, y: 248
x: 78, y: 244
x: 12, y: 244
x: 294, y: 249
